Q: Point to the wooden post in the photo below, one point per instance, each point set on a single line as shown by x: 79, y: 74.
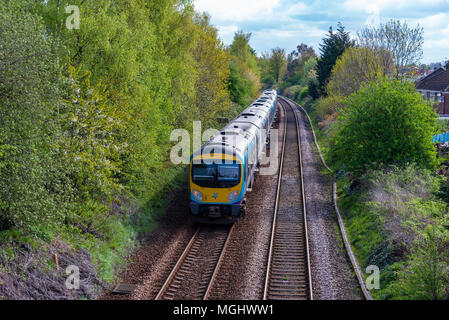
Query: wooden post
x: 55, y: 259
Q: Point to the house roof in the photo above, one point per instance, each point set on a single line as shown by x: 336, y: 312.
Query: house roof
x: 436, y: 81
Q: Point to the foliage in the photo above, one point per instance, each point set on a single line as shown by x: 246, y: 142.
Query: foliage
x: 34, y: 187
x: 244, y: 79
x: 297, y: 60
x: 86, y: 114
x: 424, y: 275
x: 328, y: 106
x: 395, y: 222
x: 356, y: 66
x: 363, y: 141
x: 212, y: 95
x: 333, y: 46
x: 92, y: 134
x: 405, y: 43
x: 276, y: 65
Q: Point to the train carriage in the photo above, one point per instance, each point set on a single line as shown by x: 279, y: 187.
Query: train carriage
x: 223, y: 171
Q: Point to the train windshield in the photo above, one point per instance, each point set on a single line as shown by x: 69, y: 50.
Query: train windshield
x: 216, y: 175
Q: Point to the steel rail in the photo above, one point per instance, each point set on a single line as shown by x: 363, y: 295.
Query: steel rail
x: 276, y: 207
x: 303, y: 203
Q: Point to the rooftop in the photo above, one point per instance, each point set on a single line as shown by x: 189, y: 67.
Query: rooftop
x: 436, y: 81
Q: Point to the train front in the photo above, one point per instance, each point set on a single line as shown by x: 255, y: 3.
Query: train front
x: 217, y: 188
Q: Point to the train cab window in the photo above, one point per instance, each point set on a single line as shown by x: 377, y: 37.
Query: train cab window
x: 229, y: 173
x: 203, y: 175
x: 216, y: 175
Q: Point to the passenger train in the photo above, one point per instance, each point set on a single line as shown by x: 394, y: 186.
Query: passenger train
x: 223, y: 171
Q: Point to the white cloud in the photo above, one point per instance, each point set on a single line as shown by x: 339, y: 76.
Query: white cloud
x: 237, y: 10
x: 370, y: 6
x: 439, y: 43
x: 227, y: 32
x: 298, y: 8
x: 438, y: 22
x: 285, y: 23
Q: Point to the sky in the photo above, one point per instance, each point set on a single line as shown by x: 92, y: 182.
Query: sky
x: 287, y: 23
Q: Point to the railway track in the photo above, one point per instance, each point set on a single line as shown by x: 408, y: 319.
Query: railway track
x: 195, y: 271
x: 341, y: 224
x: 288, y: 270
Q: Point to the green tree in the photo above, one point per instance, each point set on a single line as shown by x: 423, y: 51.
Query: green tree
x: 385, y: 122
x: 92, y: 140
x: 244, y: 79
x: 212, y: 95
x: 300, y: 62
x: 356, y: 66
x: 333, y: 46
x: 277, y: 64
x: 424, y: 276
x: 34, y: 184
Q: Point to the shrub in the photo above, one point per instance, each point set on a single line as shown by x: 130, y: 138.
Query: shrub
x: 328, y: 106
x: 425, y: 275
x: 385, y: 122
x: 304, y: 93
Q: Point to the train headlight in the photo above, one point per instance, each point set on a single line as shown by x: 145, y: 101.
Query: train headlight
x: 198, y: 195
x: 232, y: 196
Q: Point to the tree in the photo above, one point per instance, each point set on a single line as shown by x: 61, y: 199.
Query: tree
x: 244, y: 79
x: 386, y: 122
x: 277, y: 64
x: 333, y: 46
x: 356, y: 66
x: 296, y: 61
x: 403, y: 42
x: 299, y: 64
x: 212, y: 95
x: 34, y: 184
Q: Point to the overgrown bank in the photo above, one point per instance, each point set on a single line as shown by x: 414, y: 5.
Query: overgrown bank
x: 397, y: 220
x: 86, y: 118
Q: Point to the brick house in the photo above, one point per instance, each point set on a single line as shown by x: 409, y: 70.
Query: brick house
x: 435, y: 87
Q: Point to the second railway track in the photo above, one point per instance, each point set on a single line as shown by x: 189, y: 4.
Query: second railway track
x: 288, y: 270
x: 195, y: 271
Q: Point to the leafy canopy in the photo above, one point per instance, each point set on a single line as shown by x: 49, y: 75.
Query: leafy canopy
x: 385, y: 122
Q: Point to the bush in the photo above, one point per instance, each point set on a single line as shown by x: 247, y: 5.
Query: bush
x: 425, y: 275
x: 328, y: 106
x: 385, y: 122
x: 304, y: 93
